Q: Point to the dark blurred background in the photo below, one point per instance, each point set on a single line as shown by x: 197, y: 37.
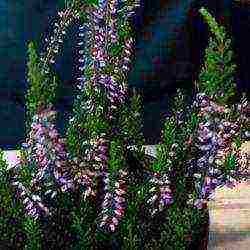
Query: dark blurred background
x: 170, y: 42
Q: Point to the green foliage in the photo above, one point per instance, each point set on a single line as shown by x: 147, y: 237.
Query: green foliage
x: 83, y: 224
x: 129, y: 123
x: 5, y: 188
x: 116, y: 155
x: 86, y: 124
x: 74, y: 3
x: 136, y: 122
x: 169, y: 131
x: 114, y: 49
x: 129, y: 234
x: 237, y: 141
x: 33, y: 232
x: 3, y: 164
x: 213, y: 25
x: 230, y: 162
x: 124, y: 30
x: 76, y: 132
x: 34, y: 80
x: 216, y: 76
x: 181, y: 224
x: 177, y: 129
x: 25, y: 171
x: 41, y: 88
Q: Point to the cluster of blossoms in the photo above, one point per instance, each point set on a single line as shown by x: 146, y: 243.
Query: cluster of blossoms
x: 113, y: 205
x: 244, y: 110
x: 50, y: 154
x: 56, y: 40
x: 47, y: 151
x: 32, y: 203
x: 160, y: 193
x: 123, y: 65
x: 101, y: 31
x: 96, y: 154
x: 112, y: 30
x: 85, y: 178
x: 214, y: 142
x: 44, y: 147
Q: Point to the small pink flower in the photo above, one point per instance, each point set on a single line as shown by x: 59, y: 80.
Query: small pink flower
x: 36, y: 126
x: 117, y: 184
x: 103, y: 157
x: 166, y: 196
x: 59, y: 147
x: 115, y: 221
x: 103, y: 148
x: 32, y: 211
x: 118, y: 212
x: 105, y: 204
x: 198, y: 203
x: 97, y: 158
x: 119, y: 191
x: 53, y: 133
x: 231, y: 184
x: 157, y: 174
x: 44, y: 162
x: 112, y: 227
x: 165, y: 189
x: 119, y: 206
x: 29, y: 205
x: 119, y: 199
x: 221, y: 109
x: 40, y: 153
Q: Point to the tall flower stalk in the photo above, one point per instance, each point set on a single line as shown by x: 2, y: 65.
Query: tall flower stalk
x: 104, y: 92
x: 214, y: 138
x: 44, y: 149
x: 42, y: 85
x: 219, y: 121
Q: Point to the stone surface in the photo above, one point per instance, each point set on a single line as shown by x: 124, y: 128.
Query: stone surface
x: 11, y: 157
x: 230, y: 218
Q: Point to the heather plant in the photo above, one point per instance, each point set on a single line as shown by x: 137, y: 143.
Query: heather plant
x: 43, y: 174
x: 220, y: 120
x: 168, y: 188
x: 91, y: 190
x: 197, y: 153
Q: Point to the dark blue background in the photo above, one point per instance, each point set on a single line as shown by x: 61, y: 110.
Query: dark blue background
x: 170, y: 42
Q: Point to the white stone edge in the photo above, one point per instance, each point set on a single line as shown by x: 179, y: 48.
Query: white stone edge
x: 14, y: 154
